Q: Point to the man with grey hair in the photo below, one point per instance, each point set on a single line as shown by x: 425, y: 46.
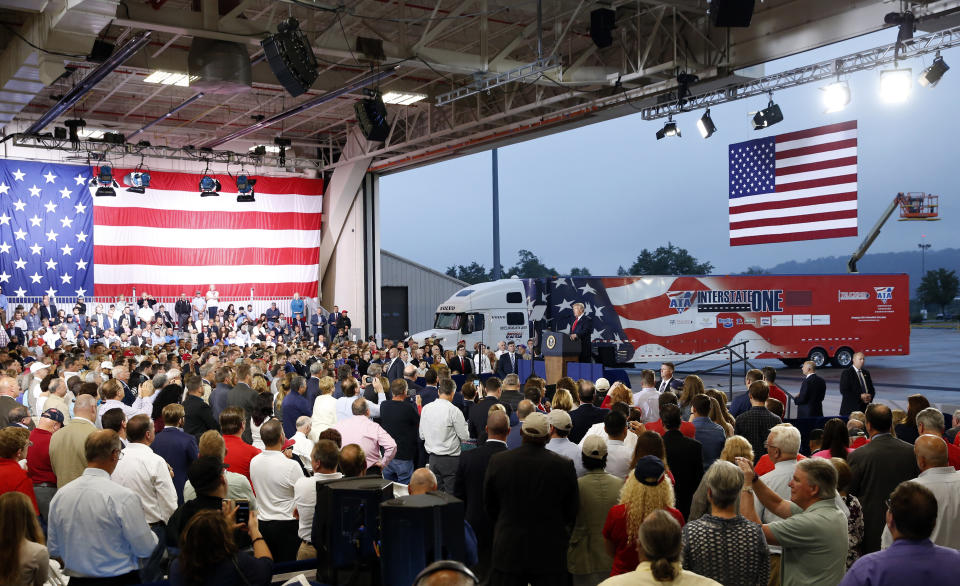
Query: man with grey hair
x: 67, y: 455
x: 951, y: 434
x: 9, y: 393
x: 303, y: 445
x: 442, y: 429
x: 367, y: 434
x: 510, y: 393
x: 313, y: 383
x: 930, y: 421
x: 722, y: 545
x: 813, y: 530
x: 944, y: 482
x: 783, y: 444
x: 58, y: 399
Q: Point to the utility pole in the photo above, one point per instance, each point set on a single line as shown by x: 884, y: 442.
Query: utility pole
x: 923, y: 260
x: 496, y: 218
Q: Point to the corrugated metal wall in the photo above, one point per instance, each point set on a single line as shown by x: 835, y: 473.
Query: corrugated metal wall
x: 426, y: 288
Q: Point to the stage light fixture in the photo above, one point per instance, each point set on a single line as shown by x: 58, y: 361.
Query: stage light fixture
x: 931, y: 75
x: 402, y: 98
x: 245, y: 189
x: 836, y: 96
x: 768, y: 116
x: 282, y: 144
x: 138, y: 181
x: 705, y: 125
x: 104, y: 182
x: 669, y: 129
x: 209, y: 186
x: 895, y: 85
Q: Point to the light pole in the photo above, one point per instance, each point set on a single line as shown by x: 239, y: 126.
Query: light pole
x: 923, y: 260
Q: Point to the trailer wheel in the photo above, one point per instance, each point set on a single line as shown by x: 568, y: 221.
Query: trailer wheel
x: 818, y: 356
x: 843, y: 358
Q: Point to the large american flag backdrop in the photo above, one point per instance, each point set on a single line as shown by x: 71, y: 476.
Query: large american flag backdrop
x: 795, y: 186
x: 57, y: 238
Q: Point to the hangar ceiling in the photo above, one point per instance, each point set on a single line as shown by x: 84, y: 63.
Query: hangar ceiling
x: 477, y: 57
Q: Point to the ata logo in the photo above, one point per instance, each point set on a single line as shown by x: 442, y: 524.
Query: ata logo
x: 551, y: 342
x: 884, y: 294
x: 680, y: 300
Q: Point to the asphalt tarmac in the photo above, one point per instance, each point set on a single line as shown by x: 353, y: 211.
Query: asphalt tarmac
x: 930, y: 369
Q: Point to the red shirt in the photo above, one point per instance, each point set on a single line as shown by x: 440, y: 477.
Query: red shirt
x: 14, y: 478
x: 953, y: 455
x: 764, y: 465
x: 686, y: 428
x: 863, y: 440
x: 38, y: 457
x: 239, y: 454
x: 626, y: 559
x: 778, y: 394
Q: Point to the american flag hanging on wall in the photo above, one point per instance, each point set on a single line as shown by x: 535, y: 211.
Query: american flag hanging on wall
x: 57, y: 238
x: 794, y: 186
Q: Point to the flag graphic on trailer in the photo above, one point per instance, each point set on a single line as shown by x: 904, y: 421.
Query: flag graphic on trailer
x: 170, y: 240
x: 46, y: 229
x: 794, y: 186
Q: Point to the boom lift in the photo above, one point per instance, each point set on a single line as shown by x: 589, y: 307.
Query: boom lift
x: 913, y: 206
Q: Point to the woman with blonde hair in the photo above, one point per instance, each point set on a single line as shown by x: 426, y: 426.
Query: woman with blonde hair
x: 716, y: 416
x: 735, y: 447
x: 692, y: 386
x: 646, y: 490
x: 562, y: 400
x: 25, y: 560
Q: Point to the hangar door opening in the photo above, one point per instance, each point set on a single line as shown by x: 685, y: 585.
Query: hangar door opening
x: 395, y: 316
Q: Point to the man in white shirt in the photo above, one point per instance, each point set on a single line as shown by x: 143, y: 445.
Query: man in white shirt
x: 648, y: 398
x: 442, y: 428
x: 619, y: 453
x: 273, y: 476
x: 324, y: 459
x: 481, y: 362
x: 303, y: 445
x: 560, y: 426
x: 148, y: 476
x: 944, y: 482
x: 501, y: 349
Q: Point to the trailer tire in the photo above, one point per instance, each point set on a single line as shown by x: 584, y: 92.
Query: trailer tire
x: 819, y: 357
x: 843, y: 358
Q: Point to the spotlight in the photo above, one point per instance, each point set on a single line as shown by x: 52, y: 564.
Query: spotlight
x: 104, y: 182
x: 209, y: 186
x: 282, y: 144
x: 895, y: 85
x: 138, y: 181
x: 245, y: 189
x: 705, y: 125
x: 669, y: 129
x: 931, y: 75
x: 836, y: 96
x: 768, y: 116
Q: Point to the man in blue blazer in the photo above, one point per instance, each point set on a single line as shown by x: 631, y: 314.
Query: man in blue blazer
x: 580, y: 332
x: 812, y: 391
x: 176, y: 446
x: 584, y: 416
x: 508, y: 361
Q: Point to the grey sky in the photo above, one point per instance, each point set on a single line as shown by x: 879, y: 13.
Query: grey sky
x: 596, y: 195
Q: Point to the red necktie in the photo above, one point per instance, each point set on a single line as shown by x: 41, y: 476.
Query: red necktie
x: 463, y: 367
x: 574, y: 328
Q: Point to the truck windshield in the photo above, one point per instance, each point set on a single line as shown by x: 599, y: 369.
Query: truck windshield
x: 448, y: 321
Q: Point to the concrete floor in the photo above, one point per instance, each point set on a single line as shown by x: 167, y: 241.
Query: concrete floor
x: 931, y: 369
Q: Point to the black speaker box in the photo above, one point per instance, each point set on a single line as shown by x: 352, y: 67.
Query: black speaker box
x: 417, y: 531
x: 731, y: 13
x: 346, y: 523
x: 372, y: 118
x: 291, y: 58
x: 602, y: 23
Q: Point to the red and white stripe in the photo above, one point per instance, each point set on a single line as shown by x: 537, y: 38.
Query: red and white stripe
x: 170, y: 240
x: 815, y: 193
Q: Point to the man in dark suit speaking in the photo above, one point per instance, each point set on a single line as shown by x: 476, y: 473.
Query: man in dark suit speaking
x: 856, y: 387
x: 507, y: 363
x: 580, y: 332
x: 812, y: 390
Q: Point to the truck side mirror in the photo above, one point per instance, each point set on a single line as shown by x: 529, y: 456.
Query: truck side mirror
x: 465, y: 328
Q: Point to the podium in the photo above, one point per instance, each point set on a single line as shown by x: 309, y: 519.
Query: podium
x: 558, y: 349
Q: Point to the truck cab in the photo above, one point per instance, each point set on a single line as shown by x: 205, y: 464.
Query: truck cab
x: 486, y: 312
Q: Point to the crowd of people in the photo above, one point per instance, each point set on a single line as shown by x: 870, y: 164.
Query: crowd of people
x: 130, y: 462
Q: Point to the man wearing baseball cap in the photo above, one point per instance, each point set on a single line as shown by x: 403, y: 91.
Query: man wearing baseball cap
x: 560, y: 426
x: 587, y: 558
x: 525, y: 552
x: 38, y: 459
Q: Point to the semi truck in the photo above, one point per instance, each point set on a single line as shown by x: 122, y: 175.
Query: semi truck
x: 823, y: 318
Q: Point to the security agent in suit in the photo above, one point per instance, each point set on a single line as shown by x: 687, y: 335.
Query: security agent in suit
x: 856, y: 387
x: 468, y: 486
x: 395, y: 369
x: 586, y: 415
x: 877, y: 468
x: 685, y: 456
x: 667, y: 382
x: 531, y: 549
x: 580, y: 331
x: 477, y: 422
x: 508, y: 363
x: 812, y: 391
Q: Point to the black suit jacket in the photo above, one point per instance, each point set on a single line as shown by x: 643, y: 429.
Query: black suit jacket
x: 428, y: 395
x: 505, y: 367
x: 810, y: 398
x: 518, y: 544
x: 583, y: 330
x: 244, y: 397
x: 583, y: 417
x: 850, y: 390
x: 48, y: 312
x: 198, y: 417
x: 685, y: 457
x: 477, y: 423
x: 876, y: 469
x: 396, y: 370
x: 468, y: 487
x: 465, y: 369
